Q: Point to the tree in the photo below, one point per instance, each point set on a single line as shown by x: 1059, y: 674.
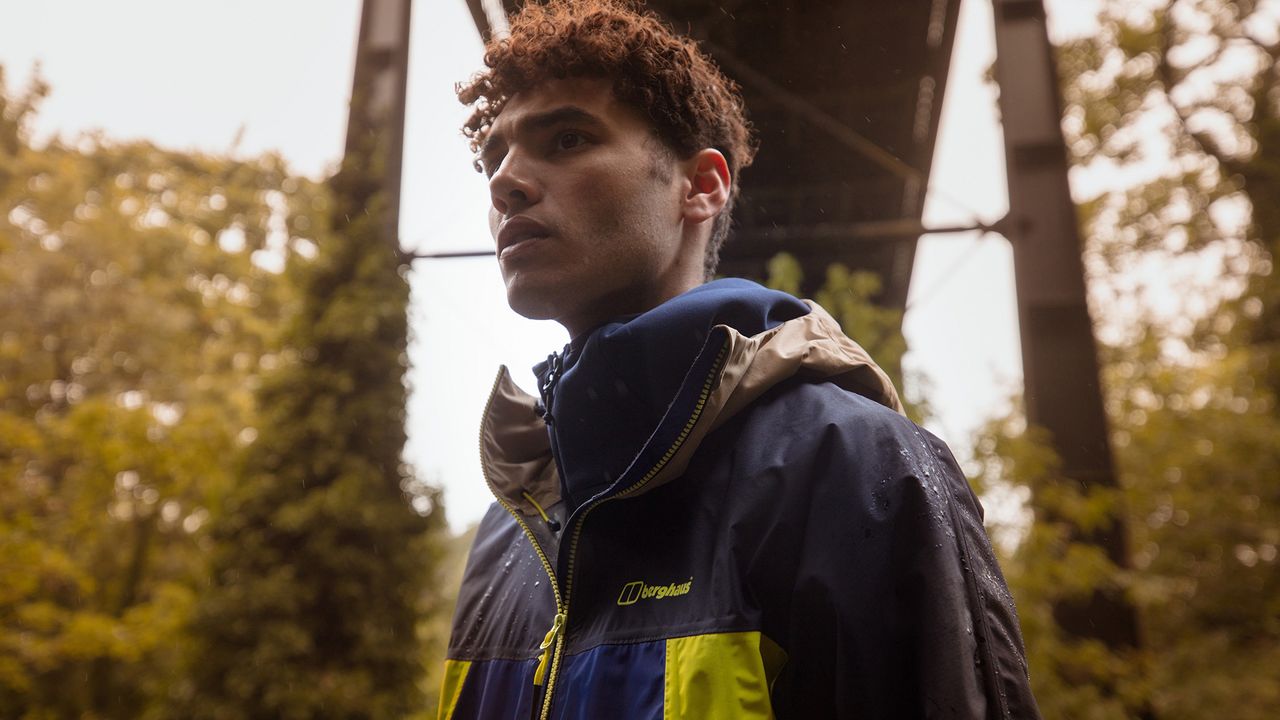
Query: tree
x: 1185, y: 95
x: 322, y: 564
x: 140, y: 306
x: 1182, y: 99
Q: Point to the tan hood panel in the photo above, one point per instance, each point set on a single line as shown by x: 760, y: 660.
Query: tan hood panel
x: 813, y: 345
x: 516, y: 452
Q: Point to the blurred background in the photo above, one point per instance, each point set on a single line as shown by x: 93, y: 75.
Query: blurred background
x: 247, y: 328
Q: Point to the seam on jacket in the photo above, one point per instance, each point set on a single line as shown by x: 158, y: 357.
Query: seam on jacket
x: 980, y: 613
x: 533, y: 654
x: 663, y: 638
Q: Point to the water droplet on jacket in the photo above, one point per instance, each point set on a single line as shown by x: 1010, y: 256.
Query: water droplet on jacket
x: 881, y: 498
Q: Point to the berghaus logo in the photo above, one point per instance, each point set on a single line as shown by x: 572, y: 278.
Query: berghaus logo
x: 634, y: 592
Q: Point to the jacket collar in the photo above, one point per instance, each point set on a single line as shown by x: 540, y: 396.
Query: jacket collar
x: 636, y: 396
x: 616, y: 384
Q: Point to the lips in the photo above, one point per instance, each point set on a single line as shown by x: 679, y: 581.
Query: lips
x: 518, y: 230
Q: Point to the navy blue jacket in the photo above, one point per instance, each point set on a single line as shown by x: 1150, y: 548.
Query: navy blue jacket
x: 716, y: 509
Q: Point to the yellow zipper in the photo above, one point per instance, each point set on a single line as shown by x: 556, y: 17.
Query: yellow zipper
x: 557, y: 628
x: 563, y: 613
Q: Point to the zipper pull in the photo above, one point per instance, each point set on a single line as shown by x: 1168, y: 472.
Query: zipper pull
x: 540, y: 675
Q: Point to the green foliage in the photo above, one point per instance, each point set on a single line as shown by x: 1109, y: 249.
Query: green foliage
x: 131, y: 339
x: 848, y: 296
x: 1197, y: 450
x: 1199, y: 447
x: 1182, y: 96
x: 203, y: 510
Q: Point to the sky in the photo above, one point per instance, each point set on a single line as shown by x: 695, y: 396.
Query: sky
x: 249, y: 76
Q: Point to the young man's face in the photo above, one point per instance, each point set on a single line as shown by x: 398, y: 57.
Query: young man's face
x: 586, y: 207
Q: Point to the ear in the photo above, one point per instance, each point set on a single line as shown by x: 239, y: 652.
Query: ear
x: 708, y: 176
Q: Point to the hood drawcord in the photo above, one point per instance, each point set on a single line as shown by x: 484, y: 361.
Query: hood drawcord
x: 552, y: 524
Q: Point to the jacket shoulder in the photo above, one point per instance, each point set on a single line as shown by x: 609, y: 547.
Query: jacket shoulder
x: 880, y: 582
x: 822, y: 416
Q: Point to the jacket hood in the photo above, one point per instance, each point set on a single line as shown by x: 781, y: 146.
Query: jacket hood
x: 630, y: 401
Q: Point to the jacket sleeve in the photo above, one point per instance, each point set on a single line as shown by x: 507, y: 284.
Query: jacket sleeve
x: 898, y: 608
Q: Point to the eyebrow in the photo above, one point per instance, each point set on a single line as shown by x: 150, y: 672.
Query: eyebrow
x: 541, y: 121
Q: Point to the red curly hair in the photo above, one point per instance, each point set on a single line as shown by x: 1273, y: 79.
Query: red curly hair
x: 665, y: 77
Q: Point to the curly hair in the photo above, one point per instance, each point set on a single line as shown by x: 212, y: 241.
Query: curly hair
x: 689, y: 102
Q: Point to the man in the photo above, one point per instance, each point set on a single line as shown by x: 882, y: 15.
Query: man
x: 715, y: 509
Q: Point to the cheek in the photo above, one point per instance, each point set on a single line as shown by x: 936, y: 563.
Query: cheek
x: 621, y: 207
x: 622, y: 196
x: 594, y: 207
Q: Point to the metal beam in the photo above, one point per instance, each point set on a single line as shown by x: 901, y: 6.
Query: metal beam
x: 801, y: 240
x: 375, y: 123
x: 1058, y: 347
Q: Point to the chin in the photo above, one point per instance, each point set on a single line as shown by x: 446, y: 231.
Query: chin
x: 535, y: 303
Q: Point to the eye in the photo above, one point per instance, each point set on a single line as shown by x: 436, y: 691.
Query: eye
x: 568, y: 140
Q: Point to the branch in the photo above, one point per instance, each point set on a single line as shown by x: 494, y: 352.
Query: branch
x: 1167, y: 74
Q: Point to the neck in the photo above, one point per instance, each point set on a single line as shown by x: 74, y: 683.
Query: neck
x: 622, y: 303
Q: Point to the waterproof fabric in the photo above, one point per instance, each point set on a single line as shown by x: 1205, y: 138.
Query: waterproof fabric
x: 717, y: 509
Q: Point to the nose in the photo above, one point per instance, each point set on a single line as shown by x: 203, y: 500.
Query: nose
x: 511, y: 187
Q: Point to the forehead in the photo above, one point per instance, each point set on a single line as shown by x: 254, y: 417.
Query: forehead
x: 593, y: 95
